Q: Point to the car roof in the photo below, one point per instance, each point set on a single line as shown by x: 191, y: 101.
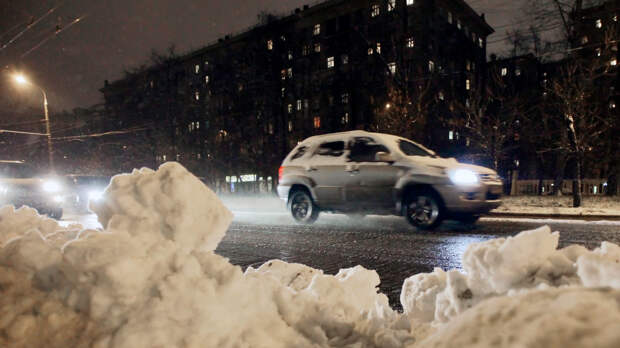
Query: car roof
x: 355, y: 133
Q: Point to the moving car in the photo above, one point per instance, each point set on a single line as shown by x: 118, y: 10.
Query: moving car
x: 85, y: 188
x: 359, y: 173
x: 20, y: 185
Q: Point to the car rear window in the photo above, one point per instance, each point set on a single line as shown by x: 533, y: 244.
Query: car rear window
x: 333, y: 148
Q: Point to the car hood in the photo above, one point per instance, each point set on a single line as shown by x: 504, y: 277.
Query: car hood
x: 447, y: 164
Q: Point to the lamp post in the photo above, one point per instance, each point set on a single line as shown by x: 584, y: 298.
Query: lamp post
x: 22, y: 80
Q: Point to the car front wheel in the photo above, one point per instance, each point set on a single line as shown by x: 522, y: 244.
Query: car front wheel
x: 424, y: 210
x: 302, y: 207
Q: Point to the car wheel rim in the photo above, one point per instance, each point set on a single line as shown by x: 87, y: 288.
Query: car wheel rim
x: 301, y: 207
x: 423, y: 211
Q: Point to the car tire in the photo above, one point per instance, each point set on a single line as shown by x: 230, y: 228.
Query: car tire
x: 424, y: 209
x: 55, y: 214
x: 302, y: 207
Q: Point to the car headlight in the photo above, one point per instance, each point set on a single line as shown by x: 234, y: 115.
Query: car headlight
x: 464, y: 177
x: 3, y: 190
x: 51, y: 186
x: 95, y: 195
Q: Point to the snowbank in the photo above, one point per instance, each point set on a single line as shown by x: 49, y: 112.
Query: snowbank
x: 150, y: 278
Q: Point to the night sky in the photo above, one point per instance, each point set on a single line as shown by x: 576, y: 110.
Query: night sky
x: 70, y: 59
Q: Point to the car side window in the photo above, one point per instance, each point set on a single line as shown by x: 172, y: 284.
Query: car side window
x: 365, y: 149
x: 332, y: 149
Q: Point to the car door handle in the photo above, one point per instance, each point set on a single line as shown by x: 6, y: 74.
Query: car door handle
x: 311, y: 169
x: 353, y: 171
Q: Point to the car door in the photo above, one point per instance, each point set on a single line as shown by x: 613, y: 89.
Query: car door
x: 325, y: 168
x: 371, y: 182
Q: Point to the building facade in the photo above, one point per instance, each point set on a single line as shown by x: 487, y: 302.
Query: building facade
x: 233, y: 109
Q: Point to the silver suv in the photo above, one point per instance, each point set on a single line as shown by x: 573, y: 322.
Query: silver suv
x: 359, y: 173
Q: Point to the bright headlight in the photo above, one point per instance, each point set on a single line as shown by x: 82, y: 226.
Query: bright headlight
x: 51, y: 186
x: 3, y: 190
x: 464, y: 177
x: 95, y: 195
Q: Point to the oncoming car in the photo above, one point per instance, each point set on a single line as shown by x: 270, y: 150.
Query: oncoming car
x: 359, y: 173
x: 20, y: 185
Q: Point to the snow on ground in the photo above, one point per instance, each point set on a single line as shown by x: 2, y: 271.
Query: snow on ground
x: 150, y: 278
x: 559, y: 205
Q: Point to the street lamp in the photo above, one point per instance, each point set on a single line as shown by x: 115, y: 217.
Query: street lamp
x: 22, y: 80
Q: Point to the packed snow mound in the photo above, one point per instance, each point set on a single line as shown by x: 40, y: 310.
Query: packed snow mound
x: 551, y: 318
x: 505, y: 266
x: 151, y: 278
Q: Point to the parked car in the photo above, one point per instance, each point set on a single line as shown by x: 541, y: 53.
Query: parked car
x: 21, y: 185
x: 358, y: 173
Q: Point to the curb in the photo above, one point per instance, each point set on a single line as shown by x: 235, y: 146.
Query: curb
x: 556, y: 216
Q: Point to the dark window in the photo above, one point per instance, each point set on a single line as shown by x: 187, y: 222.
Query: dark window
x: 411, y: 149
x: 299, y: 153
x: 365, y: 149
x: 16, y: 170
x: 334, y: 148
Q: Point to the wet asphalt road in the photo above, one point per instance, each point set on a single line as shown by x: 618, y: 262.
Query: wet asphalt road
x: 386, y: 244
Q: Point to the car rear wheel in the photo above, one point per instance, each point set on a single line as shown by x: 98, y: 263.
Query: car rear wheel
x: 424, y: 210
x: 302, y: 207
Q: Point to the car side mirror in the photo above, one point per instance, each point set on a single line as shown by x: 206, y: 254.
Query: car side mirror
x: 384, y: 157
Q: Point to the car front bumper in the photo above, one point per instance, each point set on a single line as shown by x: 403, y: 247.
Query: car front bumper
x: 477, y: 199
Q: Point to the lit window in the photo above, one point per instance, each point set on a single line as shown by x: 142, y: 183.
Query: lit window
x: 584, y: 40
x: 345, y: 59
x: 467, y: 84
x: 344, y: 98
x: 599, y: 23
x: 441, y: 96
x: 206, y: 63
x: 317, y: 122
x: 614, y: 62
x: 163, y: 157
x: 305, y: 50
x: 391, y: 5
x: 270, y: 128
x: 270, y: 44
x: 504, y: 71
x: 330, y: 62
x: 598, y: 52
x: 451, y: 135
x: 283, y: 91
x: 197, y: 95
x: 410, y: 2
x: 317, y: 47
x: 480, y: 42
x: 283, y: 38
x: 289, y: 72
x: 290, y: 126
x: 458, y: 23
x: 290, y: 55
x: 298, y: 104
x: 612, y: 105
x: 615, y: 18
x: 392, y: 68
x: 518, y: 71
x: 197, y: 68
x: 345, y: 118
x: 449, y: 17
x: 410, y: 42
x: 378, y: 48
x: 207, y: 79
x: 375, y: 10
x: 370, y: 51
x: 283, y: 74
x: 152, y: 83
x: 468, y: 65
x: 431, y: 66
x: 290, y: 108
x: 317, y: 29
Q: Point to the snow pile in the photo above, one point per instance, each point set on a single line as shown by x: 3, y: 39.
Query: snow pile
x: 521, y: 291
x: 151, y: 279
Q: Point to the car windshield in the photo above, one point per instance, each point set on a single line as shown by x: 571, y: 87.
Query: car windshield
x: 411, y: 149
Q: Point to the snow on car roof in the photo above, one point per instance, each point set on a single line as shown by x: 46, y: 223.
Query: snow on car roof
x: 358, y: 133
